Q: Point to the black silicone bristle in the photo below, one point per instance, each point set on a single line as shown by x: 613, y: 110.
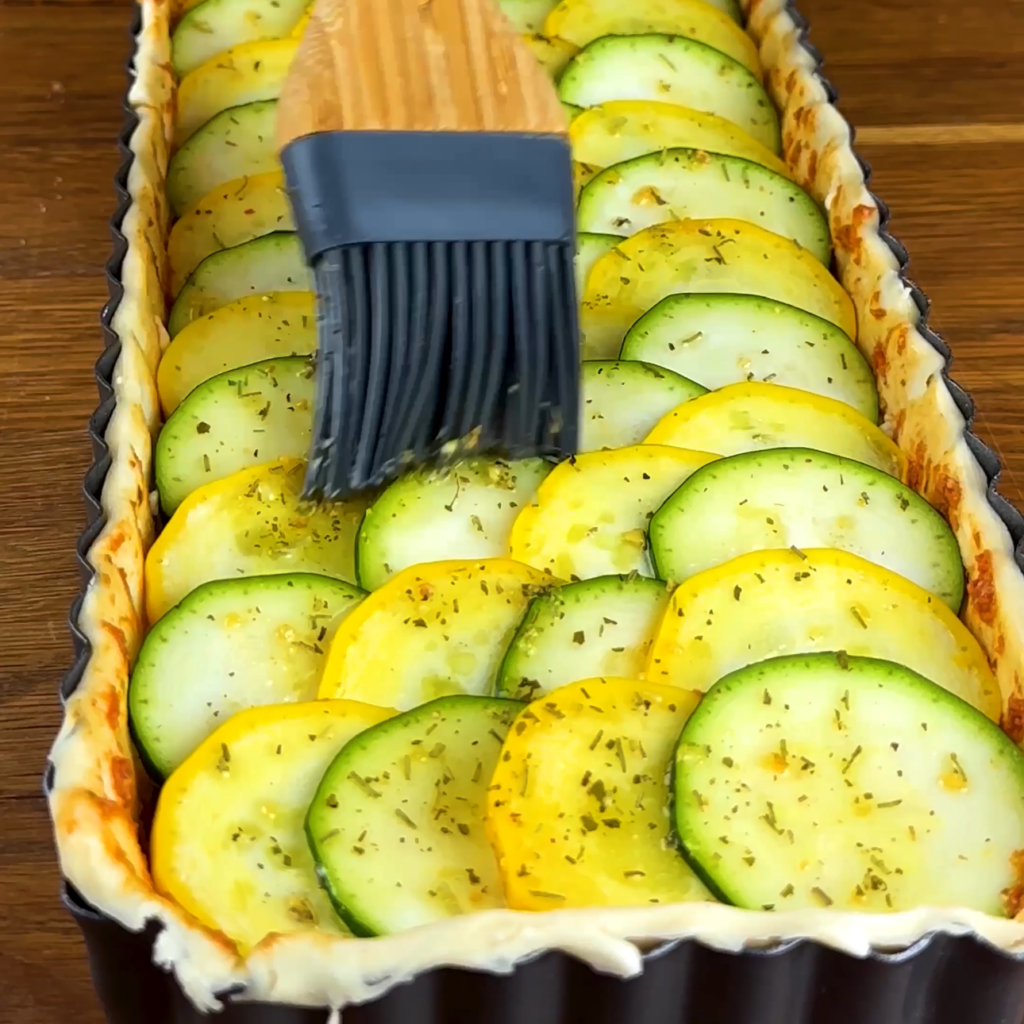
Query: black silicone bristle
x: 433, y: 350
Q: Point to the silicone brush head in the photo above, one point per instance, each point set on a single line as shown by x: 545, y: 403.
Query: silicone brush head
x: 427, y: 162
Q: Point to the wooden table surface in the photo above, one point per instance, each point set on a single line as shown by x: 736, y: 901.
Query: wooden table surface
x: 936, y: 88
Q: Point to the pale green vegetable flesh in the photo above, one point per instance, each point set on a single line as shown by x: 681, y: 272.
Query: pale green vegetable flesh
x: 599, y: 627
x: 726, y: 339
x: 834, y: 781
x: 590, y: 248
x: 526, y: 15
x: 237, y: 419
x: 396, y: 826
x: 621, y: 401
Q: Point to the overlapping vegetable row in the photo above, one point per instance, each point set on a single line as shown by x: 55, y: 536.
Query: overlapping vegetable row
x: 714, y: 656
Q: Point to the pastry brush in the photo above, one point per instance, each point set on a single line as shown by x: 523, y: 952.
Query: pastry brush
x: 428, y: 166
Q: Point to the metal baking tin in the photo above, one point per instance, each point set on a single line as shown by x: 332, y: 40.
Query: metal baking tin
x: 941, y: 979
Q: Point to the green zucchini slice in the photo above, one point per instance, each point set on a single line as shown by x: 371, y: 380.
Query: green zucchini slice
x: 599, y: 627
x: 237, y: 142
x: 672, y: 69
x: 675, y: 184
x: 526, y: 15
x: 590, y: 248
x: 235, y: 420
x: 396, y: 825
x: 833, y: 781
x: 797, y: 497
x: 464, y: 511
x: 213, y: 26
x: 727, y: 339
x: 231, y: 644
x: 270, y: 263
x: 623, y: 400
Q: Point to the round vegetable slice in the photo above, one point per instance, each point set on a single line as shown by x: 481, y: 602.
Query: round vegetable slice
x: 717, y: 255
x: 599, y: 627
x: 833, y: 781
x: 270, y: 263
x: 397, y: 823
x: 583, y: 21
x: 751, y: 417
x: 589, y: 249
x: 462, y: 511
x: 231, y: 644
x: 552, y: 52
x: 577, y: 810
x: 727, y: 339
x: 790, y: 497
x: 674, y: 184
x: 619, y: 130
x: 773, y: 602
x: 243, y: 74
x: 434, y: 630
x: 253, y: 523
x: 590, y: 516
x: 227, y: 842
x: 238, y: 419
x: 236, y: 142
x: 233, y: 213
x: 672, y: 69
x: 214, y: 26
x: 526, y: 15
x: 622, y: 401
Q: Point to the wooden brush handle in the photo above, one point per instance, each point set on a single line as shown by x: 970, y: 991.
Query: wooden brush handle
x: 414, y: 65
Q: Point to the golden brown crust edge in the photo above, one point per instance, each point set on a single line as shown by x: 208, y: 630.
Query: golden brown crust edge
x: 95, y: 799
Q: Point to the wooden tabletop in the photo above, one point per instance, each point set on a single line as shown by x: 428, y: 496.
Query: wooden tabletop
x: 935, y: 88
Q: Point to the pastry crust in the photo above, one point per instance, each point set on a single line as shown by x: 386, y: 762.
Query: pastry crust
x: 96, y: 799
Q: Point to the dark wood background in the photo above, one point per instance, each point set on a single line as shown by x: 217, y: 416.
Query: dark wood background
x: 936, y: 88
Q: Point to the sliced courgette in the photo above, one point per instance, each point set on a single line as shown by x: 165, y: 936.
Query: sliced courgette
x: 237, y: 419
x: 581, y: 174
x: 583, y: 21
x: 571, y: 111
x: 622, y: 401
x: 798, y: 600
x: 236, y: 142
x: 233, y: 213
x: 463, y: 511
x: 833, y: 781
x: 214, y: 26
x: 671, y: 69
x: 796, y: 497
x: 526, y: 15
x: 578, y: 807
x: 751, y: 417
x: 253, y: 523
x: 725, y: 339
x: 437, y: 629
x: 674, y: 184
x: 397, y: 827
x: 228, y: 841
x: 243, y: 74
x: 245, y: 331
x: 620, y: 130
x: 590, y: 516
x: 270, y: 263
x: 552, y: 52
x: 599, y: 627
x: 229, y: 645
x: 717, y: 255
x: 589, y: 249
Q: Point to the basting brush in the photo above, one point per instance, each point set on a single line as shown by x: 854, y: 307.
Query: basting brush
x: 428, y: 165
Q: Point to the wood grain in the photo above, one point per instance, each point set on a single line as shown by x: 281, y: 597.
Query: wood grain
x: 951, y: 72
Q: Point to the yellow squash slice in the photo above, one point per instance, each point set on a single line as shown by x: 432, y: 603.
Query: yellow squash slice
x: 552, y: 52
x: 433, y: 630
x: 231, y: 214
x: 228, y: 841
x: 716, y: 255
x: 243, y: 74
x: 590, y: 515
x: 747, y: 417
x: 619, y: 130
x: 243, y: 332
x: 583, y: 21
x: 253, y: 523
x: 788, y: 601
x: 578, y: 808
x: 300, y: 26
